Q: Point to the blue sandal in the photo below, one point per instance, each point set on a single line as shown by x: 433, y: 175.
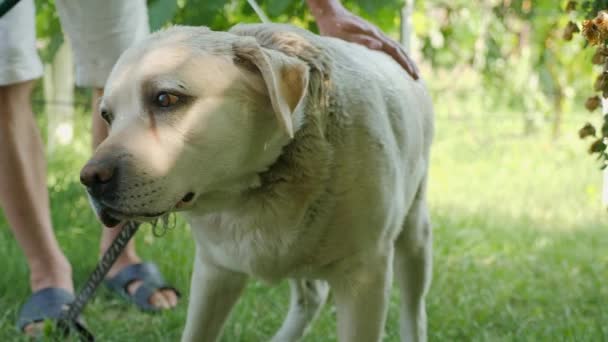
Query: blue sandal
x: 152, y: 281
x: 47, y: 303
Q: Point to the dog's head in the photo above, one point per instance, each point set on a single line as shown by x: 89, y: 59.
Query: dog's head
x: 191, y: 113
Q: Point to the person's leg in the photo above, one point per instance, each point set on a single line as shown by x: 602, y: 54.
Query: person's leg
x: 24, y: 195
x: 164, y: 298
x: 23, y: 192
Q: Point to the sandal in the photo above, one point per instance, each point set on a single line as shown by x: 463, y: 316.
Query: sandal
x: 48, y: 303
x: 152, y: 281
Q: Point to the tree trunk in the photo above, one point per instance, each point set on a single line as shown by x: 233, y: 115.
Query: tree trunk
x: 524, y: 54
x: 479, y: 58
x: 558, y: 95
x: 58, y: 86
x: 558, y: 111
x: 605, y: 185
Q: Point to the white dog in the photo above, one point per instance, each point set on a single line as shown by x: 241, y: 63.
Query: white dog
x: 292, y: 155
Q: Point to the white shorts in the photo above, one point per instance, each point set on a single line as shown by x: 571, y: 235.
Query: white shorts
x: 99, y: 31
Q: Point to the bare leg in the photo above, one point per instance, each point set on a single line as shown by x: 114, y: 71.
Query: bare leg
x: 307, y: 299
x: 163, y: 299
x: 23, y: 191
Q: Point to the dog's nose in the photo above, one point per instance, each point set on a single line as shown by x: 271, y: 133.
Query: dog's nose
x: 97, y: 176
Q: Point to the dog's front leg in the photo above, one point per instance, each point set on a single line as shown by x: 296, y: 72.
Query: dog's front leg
x: 213, y: 292
x: 362, y: 298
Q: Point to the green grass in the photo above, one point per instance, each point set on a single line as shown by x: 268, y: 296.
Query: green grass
x: 519, y: 236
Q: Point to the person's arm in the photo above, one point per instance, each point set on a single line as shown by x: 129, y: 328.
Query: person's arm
x: 336, y: 21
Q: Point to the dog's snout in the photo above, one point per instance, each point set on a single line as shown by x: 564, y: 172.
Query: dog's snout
x: 98, y: 176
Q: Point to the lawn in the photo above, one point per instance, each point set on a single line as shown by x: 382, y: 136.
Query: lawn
x: 520, y: 242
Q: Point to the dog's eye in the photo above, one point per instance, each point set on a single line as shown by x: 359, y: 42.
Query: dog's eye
x: 107, y: 116
x: 164, y: 99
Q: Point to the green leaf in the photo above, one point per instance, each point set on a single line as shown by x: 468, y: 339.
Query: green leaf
x: 160, y: 12
x: 373, y: 6
x: 48, y: 54
x: 277, y: 7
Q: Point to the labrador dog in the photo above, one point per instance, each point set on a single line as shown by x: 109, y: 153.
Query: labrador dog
x: 291, y: 155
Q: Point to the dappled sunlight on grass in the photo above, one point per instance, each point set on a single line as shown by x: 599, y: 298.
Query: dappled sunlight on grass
x: 519, y: 238
x: 553, y: 186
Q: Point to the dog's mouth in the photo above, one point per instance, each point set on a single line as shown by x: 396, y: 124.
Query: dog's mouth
x: 112, y: 217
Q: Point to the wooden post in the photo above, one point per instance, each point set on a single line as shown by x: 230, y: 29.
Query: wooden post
x: 58, y: 86
x: 407, y: 31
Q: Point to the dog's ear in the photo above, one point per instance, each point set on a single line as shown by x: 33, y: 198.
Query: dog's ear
x: 286, y: 79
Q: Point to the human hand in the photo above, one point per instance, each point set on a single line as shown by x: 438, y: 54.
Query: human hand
x: 335, y: 21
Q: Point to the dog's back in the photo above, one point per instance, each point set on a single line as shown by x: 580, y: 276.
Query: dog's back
x: 379, y: 122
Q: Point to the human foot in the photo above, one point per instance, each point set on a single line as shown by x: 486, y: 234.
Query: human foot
x: 142, y: 284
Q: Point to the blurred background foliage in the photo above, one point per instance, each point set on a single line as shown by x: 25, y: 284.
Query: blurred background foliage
x: 487, y: 54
